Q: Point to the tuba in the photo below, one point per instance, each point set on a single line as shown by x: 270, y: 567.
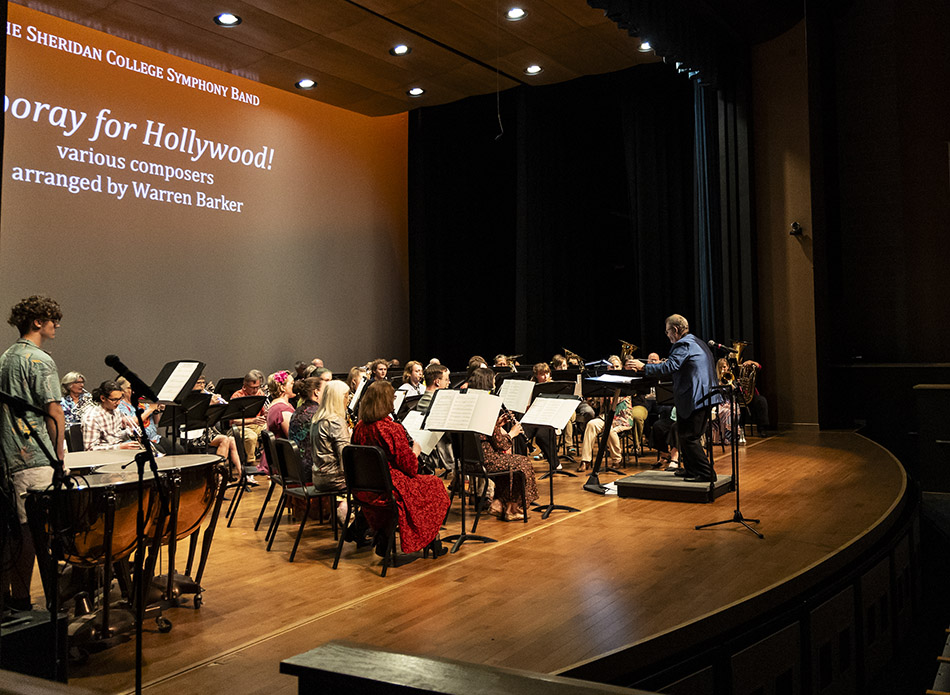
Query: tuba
x: 743, y: 375
x: 569, y: 355
x: 626, y: 350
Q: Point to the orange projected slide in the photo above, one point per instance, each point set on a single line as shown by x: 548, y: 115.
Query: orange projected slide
x: 179, y: 209
x: 107, y: 142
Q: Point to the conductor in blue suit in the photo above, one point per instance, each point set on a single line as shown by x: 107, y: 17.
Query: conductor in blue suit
x: 694, y: 377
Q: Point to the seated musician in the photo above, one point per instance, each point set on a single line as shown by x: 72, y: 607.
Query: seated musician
x: 280, y: 386
x: 422, y: 500
x: 502, y: 362
x: 223, y: 445
x: 308, y: 392
x: 622, y: 421
x: 758, y: 406
x: 544, y: 435
x: 436, y: 377
x: 327, y: 435
x: 252, y: 426
x: 151, y: 412
x: 378, y: 370
x: 474, y: 362
x: 412, y: 379
x: 638, y: 411
x: 584, y: 412
x: 506, y: 502
x: 354, y: 377
x: 76, y: 399
x: 104, y: 427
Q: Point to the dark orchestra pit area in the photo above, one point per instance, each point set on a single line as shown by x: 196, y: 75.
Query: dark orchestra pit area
x: 601, y: 594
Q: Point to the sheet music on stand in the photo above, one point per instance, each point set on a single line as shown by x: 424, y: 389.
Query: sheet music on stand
x: 413, y: 422
x: 612, y: 379
x: 398, y: 398
x: 176, y: 380
x: 552, y: 410
x: 455, y: 411
x: 516, y: 394
x: 355, y: 401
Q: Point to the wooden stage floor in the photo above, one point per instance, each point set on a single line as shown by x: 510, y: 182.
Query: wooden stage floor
x: 546, y: 596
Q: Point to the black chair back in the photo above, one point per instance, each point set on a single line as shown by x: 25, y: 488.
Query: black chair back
x: 366, y: 469
x: 74, y: 439
x: 270, y: 451
x: 288, y: 462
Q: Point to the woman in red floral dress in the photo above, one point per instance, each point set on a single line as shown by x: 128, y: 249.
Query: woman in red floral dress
x: 422, y: 500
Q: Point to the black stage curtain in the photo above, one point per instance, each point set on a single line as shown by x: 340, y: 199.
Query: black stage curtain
x: 573, y: 224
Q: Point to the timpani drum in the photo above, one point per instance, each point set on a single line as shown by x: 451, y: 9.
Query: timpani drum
x: 85, y: 462
x: 195, y: 477
x: 90, y: 506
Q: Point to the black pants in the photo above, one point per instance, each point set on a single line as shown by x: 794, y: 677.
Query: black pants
x: 546, y: 439
x: 692, y: 454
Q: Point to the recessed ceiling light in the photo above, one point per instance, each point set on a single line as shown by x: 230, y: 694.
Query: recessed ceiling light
x: 226, y: 19
x: 645, y: 46
x: 400, y: 50
x: 516, y: 13
x: 306, y: 83
x: 416, y: 92
x: 533, y: 69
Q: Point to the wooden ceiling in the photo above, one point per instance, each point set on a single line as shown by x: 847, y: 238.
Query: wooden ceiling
x: 459, y: 47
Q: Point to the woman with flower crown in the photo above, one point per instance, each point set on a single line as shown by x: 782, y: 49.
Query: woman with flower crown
x: 280, y: 385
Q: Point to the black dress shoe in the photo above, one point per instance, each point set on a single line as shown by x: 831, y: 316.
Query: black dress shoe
x: 681, y: 473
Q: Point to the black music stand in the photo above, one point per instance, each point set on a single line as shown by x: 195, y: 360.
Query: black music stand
x: 557, y: 388
x: 228, y: 386
x: 461, y: 453
x: 240, y: 408
x: 191, y: 410
x: 173, y: 383
x: 408, y: 403
x: 458, y: 447
x: 546, y: 509
x: 612, y: 390
x: 737, y: 518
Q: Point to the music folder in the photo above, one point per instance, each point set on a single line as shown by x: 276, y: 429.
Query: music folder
x: 176, y: 379
x: 455, y: 411
x: 355, y: 400
x: 413, y: 422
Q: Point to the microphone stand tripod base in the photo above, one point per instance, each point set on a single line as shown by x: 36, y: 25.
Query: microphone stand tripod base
x: 737, y: 518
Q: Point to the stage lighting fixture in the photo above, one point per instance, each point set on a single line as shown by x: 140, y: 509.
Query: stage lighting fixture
x: 226, y: 19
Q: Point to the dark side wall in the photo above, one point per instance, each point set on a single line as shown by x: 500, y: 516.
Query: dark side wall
x: 878, y: 72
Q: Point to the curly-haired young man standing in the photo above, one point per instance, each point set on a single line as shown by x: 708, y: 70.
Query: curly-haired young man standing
x: 29, y: 373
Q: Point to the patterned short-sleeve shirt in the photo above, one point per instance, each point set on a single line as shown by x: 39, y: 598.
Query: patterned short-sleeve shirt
x: 28, y: 372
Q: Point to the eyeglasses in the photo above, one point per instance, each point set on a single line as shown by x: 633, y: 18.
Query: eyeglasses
x: 114, y: 400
